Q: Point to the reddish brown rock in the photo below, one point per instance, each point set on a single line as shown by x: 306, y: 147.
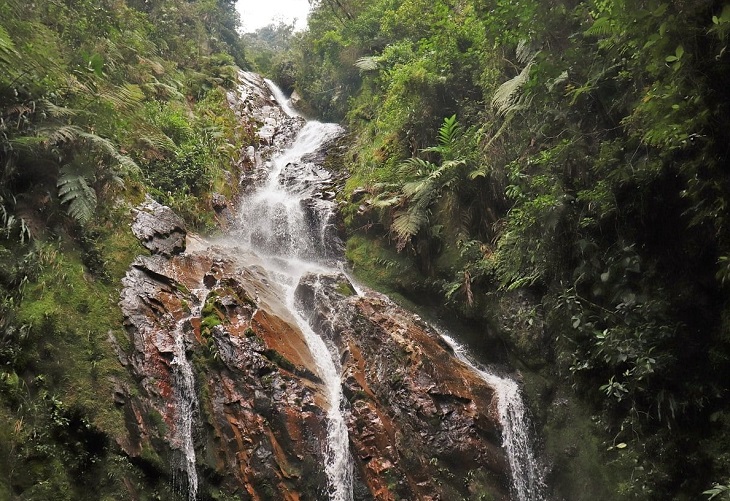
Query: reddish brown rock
x: 422, y: 424
x: 260, y: 423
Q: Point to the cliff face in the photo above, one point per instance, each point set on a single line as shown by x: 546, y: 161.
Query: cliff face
x: 422, y: 425
x: 259, y: 421
x: 229, y: 398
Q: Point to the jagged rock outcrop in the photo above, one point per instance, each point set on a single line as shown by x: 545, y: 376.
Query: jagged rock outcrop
x: 159, y: 229
x: 422, y: 424
x: 260, y: 422
x: 247, y: 415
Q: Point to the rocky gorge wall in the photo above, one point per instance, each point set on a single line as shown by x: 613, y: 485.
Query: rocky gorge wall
x: 421, y: 424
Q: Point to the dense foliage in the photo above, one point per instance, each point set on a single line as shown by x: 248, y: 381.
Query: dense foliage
x: 575, y: 150
x: 101, y: 102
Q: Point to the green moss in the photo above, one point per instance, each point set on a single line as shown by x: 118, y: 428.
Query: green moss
x: 480, y: 485
x: 280, y: 360
x: 345, y: 288
x: 380, y: 267
x: 584, y: 467
x: 211, y: 314
x: 71, y: 316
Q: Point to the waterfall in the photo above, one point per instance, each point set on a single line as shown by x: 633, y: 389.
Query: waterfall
x: 281, y: 99
x: 288, y: 224
x: 528, y: 483
x: 186, y: 404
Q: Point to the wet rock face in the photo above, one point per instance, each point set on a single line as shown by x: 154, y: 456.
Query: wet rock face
x: 260, y: 424
x: 422, y: 425
x: 159, y: 229
x: 276, y: 130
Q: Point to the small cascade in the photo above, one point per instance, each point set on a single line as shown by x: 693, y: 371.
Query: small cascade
x: 186, y: 405
x: 289, y: 226
x: 339, y: 465
x: 281, y: 99
x: 528, y: 483
x: 284, y: 217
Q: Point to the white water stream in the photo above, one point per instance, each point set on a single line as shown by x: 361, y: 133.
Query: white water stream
x: 284, y: 102
x: 287, y: 226
x: 186, y: 404
x: 528, y: 483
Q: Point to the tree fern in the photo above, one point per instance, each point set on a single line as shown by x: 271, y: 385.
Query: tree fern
x: 424, y: 183
x: 74, y: 190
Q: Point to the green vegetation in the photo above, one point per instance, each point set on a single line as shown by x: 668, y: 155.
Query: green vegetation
x: 100, y: 103
x: 572, y: 149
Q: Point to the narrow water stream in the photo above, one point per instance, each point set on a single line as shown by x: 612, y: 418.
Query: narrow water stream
x: 528, y: 483
x: 186, y: 405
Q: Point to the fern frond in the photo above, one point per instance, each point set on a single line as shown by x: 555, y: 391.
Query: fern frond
x: 407, y: 224
x: 156, y: 67
x: 524, y: 53
x: 415, y: 166
x: 507, y: 98
x: 449, y: 131
x: 157, y: 140
x: 74, y: 190
x: 7, y: 50
x: 124, y: 97
x: 60, y: 135
x: 368, y: 63
x: 107, y: 147
x: 381, y: 202
x: 603, y: 27
x: 56, y: 111
x: 419, y: 188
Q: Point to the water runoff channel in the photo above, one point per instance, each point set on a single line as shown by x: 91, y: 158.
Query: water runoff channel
x: 291, y: 228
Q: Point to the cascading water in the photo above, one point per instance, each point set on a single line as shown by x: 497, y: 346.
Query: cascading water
x: 528, y: 483
x: 289, y: 227
x: 186, y: 403
x: 280, y: 98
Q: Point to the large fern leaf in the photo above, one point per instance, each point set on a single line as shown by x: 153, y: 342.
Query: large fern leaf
x: 74, y: 190
x: 106, y: 146
x: 7, y: 50
x: 60, y: 135
x: 407, y: 224
x: 416, y: 167
x: 448, y: 135
x: 507, y: 98
x: 449, y: 131
x: 368, y: 63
